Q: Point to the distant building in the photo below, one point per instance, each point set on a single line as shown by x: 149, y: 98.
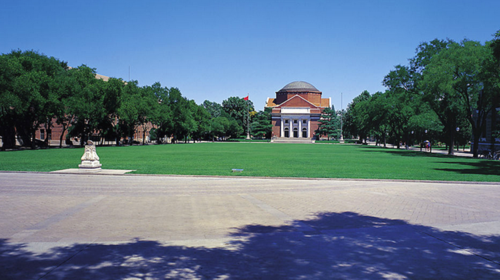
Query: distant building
x: 296, y: 110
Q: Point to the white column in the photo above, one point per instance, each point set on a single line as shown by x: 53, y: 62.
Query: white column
x: 290, y: 128
x: 282, y: 122
x: 300, y: 128
x: 308, y: 127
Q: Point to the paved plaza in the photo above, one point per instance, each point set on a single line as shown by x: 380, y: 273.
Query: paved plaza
x: 86, y: 226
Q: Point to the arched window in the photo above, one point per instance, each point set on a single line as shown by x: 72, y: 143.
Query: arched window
x: 287, y: 132
x: 304, y: 132
x: 295, y: 132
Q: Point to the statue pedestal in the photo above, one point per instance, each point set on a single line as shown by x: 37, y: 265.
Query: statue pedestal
x: 90, y: 159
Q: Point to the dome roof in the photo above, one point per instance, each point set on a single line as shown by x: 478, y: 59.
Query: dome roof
x: 299, y: 86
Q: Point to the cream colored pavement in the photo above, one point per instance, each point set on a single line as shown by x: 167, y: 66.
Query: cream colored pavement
x: 95, y: 226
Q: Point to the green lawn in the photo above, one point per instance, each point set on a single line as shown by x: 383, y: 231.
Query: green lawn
x: 265, y: 159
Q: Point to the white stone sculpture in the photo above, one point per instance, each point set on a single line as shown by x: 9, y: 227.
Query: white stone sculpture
x: 90, y: 159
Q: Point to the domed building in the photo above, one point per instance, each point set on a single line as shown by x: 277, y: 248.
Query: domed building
x: 296, y: 110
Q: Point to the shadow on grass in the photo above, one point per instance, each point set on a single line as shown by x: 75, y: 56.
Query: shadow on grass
x: 403, y: 152
x: 464, y: 165
x: 329, y: 246
x: 485, y: 167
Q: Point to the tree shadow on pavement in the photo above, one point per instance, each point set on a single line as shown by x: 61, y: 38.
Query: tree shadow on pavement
x: 329, y: 246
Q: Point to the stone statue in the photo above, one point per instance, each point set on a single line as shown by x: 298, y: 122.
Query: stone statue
x: 90, y: 159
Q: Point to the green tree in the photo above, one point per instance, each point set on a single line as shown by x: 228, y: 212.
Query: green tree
x: 114, y: 90
x: 458, y: 82
x: 202, y: 119
x: 162, y: 113
x: 238, y: 109
x: 353, y: 117
x: 220, y: 126
x: 86, y: 102
x: 402, y: 100
x: 329, y: 124
x: 29, y: 89
x: 183, y: 122
x: 376, y: 116
x: 261, y: 124
x: 214, y: 109
x: 147, y: 109
x: 10, y: 69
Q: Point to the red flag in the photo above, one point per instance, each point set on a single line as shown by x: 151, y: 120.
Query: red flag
x: 245, y: 98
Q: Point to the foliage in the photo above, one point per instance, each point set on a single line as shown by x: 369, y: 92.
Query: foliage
x: 353, y: 121
x: 239, y: 110
x: 38, y: 90
x: 448, y: 90
x: 261, y: 125
x: 162, y: 113
x: 28, y: 94
x: 329, y: 124
x: 213, y: 108
x: 460, y: 81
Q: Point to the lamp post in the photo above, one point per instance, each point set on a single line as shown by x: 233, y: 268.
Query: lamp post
x: 411, y: 142
x: 341, y: 120
x: 428, y: 141
x: 458, y: 129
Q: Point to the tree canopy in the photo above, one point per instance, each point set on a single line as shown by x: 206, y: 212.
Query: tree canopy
x: 37, y: 90
x: 445, y: 94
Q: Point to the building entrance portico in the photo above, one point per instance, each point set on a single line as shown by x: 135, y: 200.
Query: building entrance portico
x: 297, y: 125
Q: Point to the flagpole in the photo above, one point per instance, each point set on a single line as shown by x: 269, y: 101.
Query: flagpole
x: 248, y: 116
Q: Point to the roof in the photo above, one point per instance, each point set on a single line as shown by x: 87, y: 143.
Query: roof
x: 299, y: 86
x: 301, y: 102
x: 325, y: 102
x: 270, y: 102
x: 102, y: 77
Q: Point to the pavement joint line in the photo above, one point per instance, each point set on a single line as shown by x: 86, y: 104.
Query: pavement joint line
x: 63, y: 262
x: 300, y: 226
x: 266, y: 178
x: 55, y: 218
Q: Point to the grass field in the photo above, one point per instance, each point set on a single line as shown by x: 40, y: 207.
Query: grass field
x: 265, y: 159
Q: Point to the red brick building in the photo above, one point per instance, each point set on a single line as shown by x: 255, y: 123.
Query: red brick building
x: 296, y: 110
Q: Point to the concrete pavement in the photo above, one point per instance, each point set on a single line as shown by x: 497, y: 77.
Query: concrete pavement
x: 87, y: 226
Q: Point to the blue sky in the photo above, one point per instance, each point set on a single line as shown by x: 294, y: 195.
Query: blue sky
x: 212, y: 50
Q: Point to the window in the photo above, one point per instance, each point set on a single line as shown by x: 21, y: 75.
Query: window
x: 304, y: 121
x: 42, y: 134
x: 294, y: 121
x: 286, y: 121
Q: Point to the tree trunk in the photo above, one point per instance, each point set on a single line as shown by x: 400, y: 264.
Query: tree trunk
x: 451, y: 151
x: 33, y: 135
x: 476, y: 144
x: 62, y: 135
x: 8, y: 137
